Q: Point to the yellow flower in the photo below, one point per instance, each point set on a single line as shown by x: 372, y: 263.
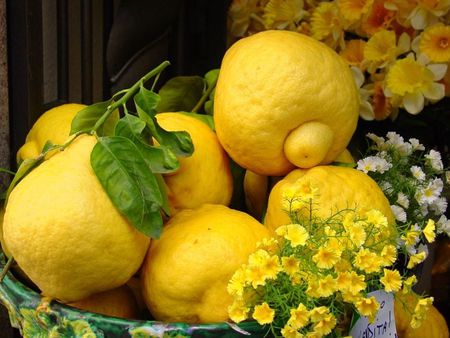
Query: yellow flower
x: 413, y: 82
x: 342, y: 265
x: 376, y: 218
x: 428, y: 12
x: 271, y: 266
x: 326, y: 257
x: 389, y: 255
x: 349, y: 297
x: 270, y: 245
x: 327, y: 24
x: 325, y: 325
x: 318, y: 313
x: 353, y: 53
x: 326, y: 286
x: 299, y: 317
x: 289, y: 332
x: 420, y: 311
x: 311, y: 291
x: 290, y: 265
x: 255, y: 275
x: 430, y: 231
x: 357, y: 234
x: 281, y: 14
x: 240, y: 14
x: 416, y: 259
x: 368, y: 307
x: 350, y: 282
x: 237, y: 311
x: 368, y: 261
x: 237, y: 283
x: 435, y: 43
x: 411, y: 237
x: 408, y: 284
x: 296, y: 234
x: 352, y: 10
x: 391, y: 280
x: 263, y: 314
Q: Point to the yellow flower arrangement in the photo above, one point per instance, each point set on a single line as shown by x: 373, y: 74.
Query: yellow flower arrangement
x: 316, y: 273
x: 399, y: 50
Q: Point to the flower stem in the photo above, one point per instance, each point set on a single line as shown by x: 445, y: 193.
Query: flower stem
x: 204, y: 97
x: 5, y: 270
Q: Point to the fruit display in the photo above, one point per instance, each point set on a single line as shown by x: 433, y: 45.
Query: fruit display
x: 121, y: 220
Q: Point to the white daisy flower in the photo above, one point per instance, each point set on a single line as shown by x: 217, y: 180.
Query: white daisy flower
x: 439, y: 206
x: 416, y: 145
x: 434, y: 160
x: 379, y: 141
x: 431, y: 192
x: 399, y: 213
x: 418, y: 173
x: 443, y: 225
x: 403, y: 200
x: 386, y: 187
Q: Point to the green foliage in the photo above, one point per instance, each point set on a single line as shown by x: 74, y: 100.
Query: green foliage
x: 181, y: 93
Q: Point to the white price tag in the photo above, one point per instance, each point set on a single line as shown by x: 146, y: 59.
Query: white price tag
x: 384, y: 324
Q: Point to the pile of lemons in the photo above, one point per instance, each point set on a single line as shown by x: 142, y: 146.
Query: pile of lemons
x: 286, y: 106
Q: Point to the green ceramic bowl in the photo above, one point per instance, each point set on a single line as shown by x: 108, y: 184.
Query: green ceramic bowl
x: 36, y: 318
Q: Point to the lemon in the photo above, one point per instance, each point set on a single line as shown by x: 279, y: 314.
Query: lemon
x: 256, y: 190
x: 118, y: 302
x: 186, y: 272
x: 345, y: 157
x: 53, y: 125
x: 205, y: 176
x: 338, y: 188
x: 65, y: 233
x: 282, y: 100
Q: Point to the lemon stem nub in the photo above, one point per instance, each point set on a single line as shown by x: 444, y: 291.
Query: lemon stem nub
x: 308, y: 145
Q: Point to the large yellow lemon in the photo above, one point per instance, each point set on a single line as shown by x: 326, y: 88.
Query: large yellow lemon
x: 53, y: 125
x: 186, y: 272
x: 338, y: 188
x: 203, y: 177
x: 65, y: 233
x: 282, y: 100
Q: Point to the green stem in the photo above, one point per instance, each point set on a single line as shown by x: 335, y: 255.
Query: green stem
x: 130, y: 92
x: 3, y: 170
x: 204, y: 97
x: 5, y: 270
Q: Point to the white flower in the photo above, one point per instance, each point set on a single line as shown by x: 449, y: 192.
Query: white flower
x: 430, y: 193
x: 422, y: 248
x: 373, y: 163
x: 386, y: 187
x: 443, y: 225
x: 417, y: 173
x: 403, y: 200
x: 439, y: 206
x: 411, y: 249
x: 434, y: 160
x: 379, y: 141
x: 399, y: 213
x: 416, y: 145
x: 397, y: 141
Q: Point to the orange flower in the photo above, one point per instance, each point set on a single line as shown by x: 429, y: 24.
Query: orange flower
x: 352, y: 10
x: 377, y: 18
x: 353, y: 53
x: 382, y: 105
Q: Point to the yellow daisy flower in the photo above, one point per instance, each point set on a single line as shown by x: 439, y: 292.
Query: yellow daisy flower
x: 430, y: 231
x: 368, y: 307
x: 326, y: 257
x: 350, y: 282
x: 258, y: 257
x: 270, y: 245
x: 290, y: 265
x: 237, y: 311
x: 255, y: 275
x: 289, y: 332
x: 352, y: 10
x: 435, y: 43
x: 389, y: 255
x: 237, y: 283
x: 318, y: 313
x: 408, y: 283
x: 413, y: 82
x: 411, y: 237
x: 271, y: 266
x: 327, y: 24
x: 357, y: 234
x: 376, y: 218
x: 422, y: 307
x: 296, y: 235
x: 391, y: 280
x: 299, y: 317
x: 281, y: 14
x: 263, y: 314
x: 368, y: 261
x: 326, y: 286
x: 325, y: 325
x: 416, y: 259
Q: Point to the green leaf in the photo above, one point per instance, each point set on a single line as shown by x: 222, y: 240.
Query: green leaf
x: 47, y: 146
x: 159, y: 159
x: 207, y: 119
x: 85, y: 119
x: 179, y: 142
x: 130, y: 185
x: 163, y: 189
x: 211, y: 77
x: 181, y: 93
